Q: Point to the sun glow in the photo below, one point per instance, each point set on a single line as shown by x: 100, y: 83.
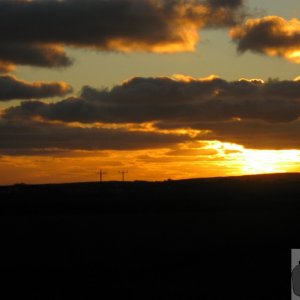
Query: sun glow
x: 268, y: 161
x: 253, y: 161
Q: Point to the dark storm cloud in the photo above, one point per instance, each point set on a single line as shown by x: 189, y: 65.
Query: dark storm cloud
x: 13, y: 88
x: 31, y: 136
x: 29, y: 27
x: 256, y: 114
x: 39, y: 55
x: 173, y: 100
x: 255, y: 134
x: 271, y: 35
x: 225, y: 3
x: 224, y: 13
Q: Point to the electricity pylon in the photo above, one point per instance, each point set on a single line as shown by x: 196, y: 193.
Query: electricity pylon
x: 123, y: 174
x: 101, y: 173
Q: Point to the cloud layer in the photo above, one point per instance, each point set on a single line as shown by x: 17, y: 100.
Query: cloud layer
x: 271, y: 35
x: 253, y: 134
x: 13, y: 88
x: 182, y: 99
x: 33, y: 54
x: 253, y: 113
x: 32, y: 136
x: 44, y: 27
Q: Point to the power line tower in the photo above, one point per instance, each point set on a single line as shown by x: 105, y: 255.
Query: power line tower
x: 123, y: 174
x: 101, y: 173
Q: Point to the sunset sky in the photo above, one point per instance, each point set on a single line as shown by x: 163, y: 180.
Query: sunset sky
x: 161, y: 88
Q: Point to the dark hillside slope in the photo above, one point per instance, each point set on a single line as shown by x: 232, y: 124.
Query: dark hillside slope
x: 188, y: 239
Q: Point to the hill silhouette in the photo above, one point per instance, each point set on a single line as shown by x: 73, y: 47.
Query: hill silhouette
x: 183, y: 239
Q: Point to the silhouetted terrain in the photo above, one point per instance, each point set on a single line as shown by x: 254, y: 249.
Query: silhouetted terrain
x: 189, y: 239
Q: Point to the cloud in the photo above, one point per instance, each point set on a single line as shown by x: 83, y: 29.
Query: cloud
x: 225, y: 3
x: 32, y: 137
x: 44, y: 27
x: 255, y: 134
x: 271, y: 35
x: 180, y: 100
x: 13, y: 88
x: 224, y: 13
x: 250, y: 112
x: 39, y: 55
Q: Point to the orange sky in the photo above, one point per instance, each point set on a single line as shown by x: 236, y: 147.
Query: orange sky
x: 186, y: 161
x: 75, y: 98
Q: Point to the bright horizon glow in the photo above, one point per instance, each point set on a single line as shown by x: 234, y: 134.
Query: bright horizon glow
x: 253, y: 161
x: 211, y: 159
x: 269, y: 161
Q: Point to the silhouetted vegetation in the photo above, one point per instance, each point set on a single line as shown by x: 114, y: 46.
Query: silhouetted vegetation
x: 189, y: 239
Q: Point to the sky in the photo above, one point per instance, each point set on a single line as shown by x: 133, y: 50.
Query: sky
x: 163, y: 89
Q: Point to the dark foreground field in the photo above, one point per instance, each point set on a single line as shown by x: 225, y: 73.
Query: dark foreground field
x: 222, y: 238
